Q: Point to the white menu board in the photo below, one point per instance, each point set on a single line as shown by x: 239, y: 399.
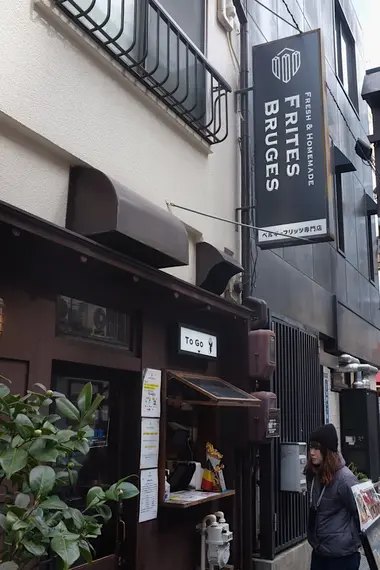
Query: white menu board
x: 151, y: 393
x: 148, y: 495
x: 150, y: 442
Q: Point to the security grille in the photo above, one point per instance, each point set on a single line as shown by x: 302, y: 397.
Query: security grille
x: 299, y: 388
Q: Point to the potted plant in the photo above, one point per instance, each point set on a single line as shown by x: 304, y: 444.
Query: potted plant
x: 36, y: 460
x: 362, y: 477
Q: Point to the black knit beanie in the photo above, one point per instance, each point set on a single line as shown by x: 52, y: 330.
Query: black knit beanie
x: 326, y: 437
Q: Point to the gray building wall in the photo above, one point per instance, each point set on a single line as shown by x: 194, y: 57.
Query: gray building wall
x: 315, y: 284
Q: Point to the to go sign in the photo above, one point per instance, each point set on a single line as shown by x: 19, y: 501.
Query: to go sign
x: 198, y: 342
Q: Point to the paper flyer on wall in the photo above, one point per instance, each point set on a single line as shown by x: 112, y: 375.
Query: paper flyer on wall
x: 148, y: 495
x: 368, y: 504
x: 150, y: 442
x: 151, y: 393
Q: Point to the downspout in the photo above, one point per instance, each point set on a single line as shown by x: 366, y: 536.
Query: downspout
x: 245, y: 148
x: 246, y: 209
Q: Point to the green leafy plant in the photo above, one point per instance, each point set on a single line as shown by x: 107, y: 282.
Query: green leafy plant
x: 36, y: 460
x: 360, y: 476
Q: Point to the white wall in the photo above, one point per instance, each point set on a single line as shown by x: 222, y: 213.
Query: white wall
x: 333, y: 403
x: 335, y: 411
x: 68, y: 93
x: 32, y: 178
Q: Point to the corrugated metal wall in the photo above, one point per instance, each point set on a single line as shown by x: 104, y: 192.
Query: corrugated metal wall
x: 299, y: 388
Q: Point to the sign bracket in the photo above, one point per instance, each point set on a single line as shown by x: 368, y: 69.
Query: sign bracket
x: 237, y: 217
x: 239, y: 92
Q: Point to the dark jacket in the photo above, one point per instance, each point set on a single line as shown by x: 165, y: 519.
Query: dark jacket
x: 336, y: 529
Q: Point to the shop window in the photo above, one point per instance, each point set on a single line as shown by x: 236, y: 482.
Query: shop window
x: 72, y: 387
x: 345, y: 56
x: 91, y: 322
x: 370, y: 252
x: 339, y: 212
x: 196, y: 408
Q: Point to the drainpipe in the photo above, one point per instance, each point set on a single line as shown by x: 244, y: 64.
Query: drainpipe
x: 246, y: 209
x: 245, y: 147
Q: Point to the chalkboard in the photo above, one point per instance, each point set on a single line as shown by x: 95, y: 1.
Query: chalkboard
x: 218, y: 388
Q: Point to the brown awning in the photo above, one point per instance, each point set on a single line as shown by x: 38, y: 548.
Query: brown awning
x: 199, y: 390
x: 214, y: 268
x: 109, y: 213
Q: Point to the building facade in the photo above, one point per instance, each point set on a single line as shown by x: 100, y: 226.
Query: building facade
x: 110, y: 113
x: 77, y: 100
x: 324, y: 297
x: 344, y: 269
x: 118, y: 122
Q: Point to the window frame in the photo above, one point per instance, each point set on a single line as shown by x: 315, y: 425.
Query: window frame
x: 339, y: 213
x: 203, y: 25
x: 342, y: 30
x: 370, y: 252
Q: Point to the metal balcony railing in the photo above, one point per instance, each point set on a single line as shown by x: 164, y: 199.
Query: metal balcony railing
x: 142, y: 38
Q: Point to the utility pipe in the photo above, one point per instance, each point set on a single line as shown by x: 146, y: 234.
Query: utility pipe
x: 208, y: 518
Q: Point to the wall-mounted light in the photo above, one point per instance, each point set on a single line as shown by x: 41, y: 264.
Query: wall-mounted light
x: 2, y: 316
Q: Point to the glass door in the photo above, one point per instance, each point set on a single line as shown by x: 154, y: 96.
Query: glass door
x: 107, y: 460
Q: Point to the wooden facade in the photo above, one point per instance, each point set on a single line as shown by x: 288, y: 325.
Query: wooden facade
x: 39, y: 262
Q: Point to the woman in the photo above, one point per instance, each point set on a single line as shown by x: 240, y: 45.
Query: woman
x: 333, y: 530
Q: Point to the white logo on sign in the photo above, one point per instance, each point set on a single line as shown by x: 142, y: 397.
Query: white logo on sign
x: 286, y: 64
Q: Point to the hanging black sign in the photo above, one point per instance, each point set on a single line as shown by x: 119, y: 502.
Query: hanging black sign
x: 291, y: 180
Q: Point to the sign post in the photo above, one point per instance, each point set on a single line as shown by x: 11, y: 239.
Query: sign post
x: 292, y: 173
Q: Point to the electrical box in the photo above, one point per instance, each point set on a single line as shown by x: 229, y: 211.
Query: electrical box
x: 293, y: 463
x: 264, y: 422
x: 261, y: 353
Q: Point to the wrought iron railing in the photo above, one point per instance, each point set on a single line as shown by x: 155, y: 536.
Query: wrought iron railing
x: 142, y: 38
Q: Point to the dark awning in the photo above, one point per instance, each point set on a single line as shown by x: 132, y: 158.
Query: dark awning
x: 109, y: 213
x: 214, y: 268
x: 370, y: 205
x: 341, y: 162
x: 371, y: 87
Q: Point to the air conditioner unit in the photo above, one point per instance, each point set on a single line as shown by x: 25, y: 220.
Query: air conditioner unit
x: 233, y: 290
x: 97, y: 321
x: 85, y: 318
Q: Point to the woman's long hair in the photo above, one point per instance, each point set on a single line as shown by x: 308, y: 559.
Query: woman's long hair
x: 326, y: 470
